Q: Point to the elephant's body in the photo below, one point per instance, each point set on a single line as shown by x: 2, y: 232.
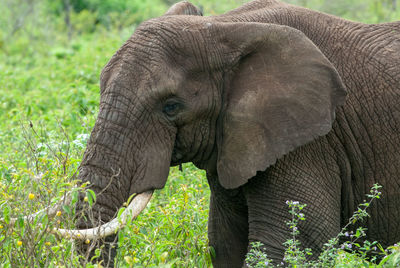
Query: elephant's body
x: 333, y: 173
x: 253, y: 103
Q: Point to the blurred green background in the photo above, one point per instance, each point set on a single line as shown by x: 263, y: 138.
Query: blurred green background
x: 51, y: 55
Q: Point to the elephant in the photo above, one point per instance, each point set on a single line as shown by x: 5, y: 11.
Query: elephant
x: 275, y: 102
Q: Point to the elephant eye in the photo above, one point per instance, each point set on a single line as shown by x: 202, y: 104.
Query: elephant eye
x: 171, y: 108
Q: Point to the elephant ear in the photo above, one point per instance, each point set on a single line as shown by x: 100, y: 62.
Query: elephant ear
x: 184, y: 8
x: 281, y: 93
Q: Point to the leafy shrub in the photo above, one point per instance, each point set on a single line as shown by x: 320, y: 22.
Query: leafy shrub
x: 256, y: 258
x: 350, y: 253
x: 84, y: 21
x: 110, y: 13
x: 169, y: 231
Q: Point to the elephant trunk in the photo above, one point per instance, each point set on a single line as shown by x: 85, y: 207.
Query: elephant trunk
x: 117, y: 163
x: 116, y: 166
x: 105, y: 169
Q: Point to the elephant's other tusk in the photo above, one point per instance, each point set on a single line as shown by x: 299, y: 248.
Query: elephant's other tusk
x: 133, y: 210
x: 50, y: 210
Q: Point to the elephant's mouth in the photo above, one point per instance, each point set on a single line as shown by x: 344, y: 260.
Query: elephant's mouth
x: 184, y: 152
x: 177, y: 156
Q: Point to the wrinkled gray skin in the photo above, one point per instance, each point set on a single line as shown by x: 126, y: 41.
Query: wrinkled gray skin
x: 251, y: 96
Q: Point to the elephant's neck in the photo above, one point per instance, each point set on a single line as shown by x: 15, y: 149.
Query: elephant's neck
x: 329, y: 33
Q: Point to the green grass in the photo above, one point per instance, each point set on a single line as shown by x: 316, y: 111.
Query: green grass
x: 49, y: 94
x: 173, y: 228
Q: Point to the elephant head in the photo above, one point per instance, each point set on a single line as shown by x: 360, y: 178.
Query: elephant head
x: 231, y: 97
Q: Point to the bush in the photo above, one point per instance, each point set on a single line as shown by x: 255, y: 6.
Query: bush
x: 111, y: 13
x: 351, y: 253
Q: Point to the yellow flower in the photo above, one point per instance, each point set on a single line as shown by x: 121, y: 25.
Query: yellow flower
x: 1, y: 226
x: 47, y: 243
x: 31, y: 196
x: 58, y: 213
x: 19, y: 243
x: 87, y: 241
x: 85, y: 199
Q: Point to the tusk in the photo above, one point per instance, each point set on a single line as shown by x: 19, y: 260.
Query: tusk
x: 133, y: 210
x: 50, y: 210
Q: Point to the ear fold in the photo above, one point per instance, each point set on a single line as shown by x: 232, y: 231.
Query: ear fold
x: 184, y: 8
x: 281, y: 94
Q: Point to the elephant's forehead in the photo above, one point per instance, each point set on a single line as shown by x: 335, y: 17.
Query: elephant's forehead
x: 143, y: 72
x: 152, y: 59
x: 173, y: 24
x: 173, y: 32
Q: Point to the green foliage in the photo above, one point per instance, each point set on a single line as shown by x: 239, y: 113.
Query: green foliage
x: 256, y: 258
x: 170, y: 231
x: 26, y: 186
x: 172, y: 228
x: 351, y: 253
x: 294, y: 255
x: 111, y: 13
x: 392, y: 258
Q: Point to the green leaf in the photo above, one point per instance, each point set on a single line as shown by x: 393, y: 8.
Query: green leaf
x: 91, y: 196
x: 68, y: 249
x: 74, y: 197
x: 120, y: 211
x: 20, y: 222
x: 67, y: 209
x: 6, y: 214
x: 45, y: 219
